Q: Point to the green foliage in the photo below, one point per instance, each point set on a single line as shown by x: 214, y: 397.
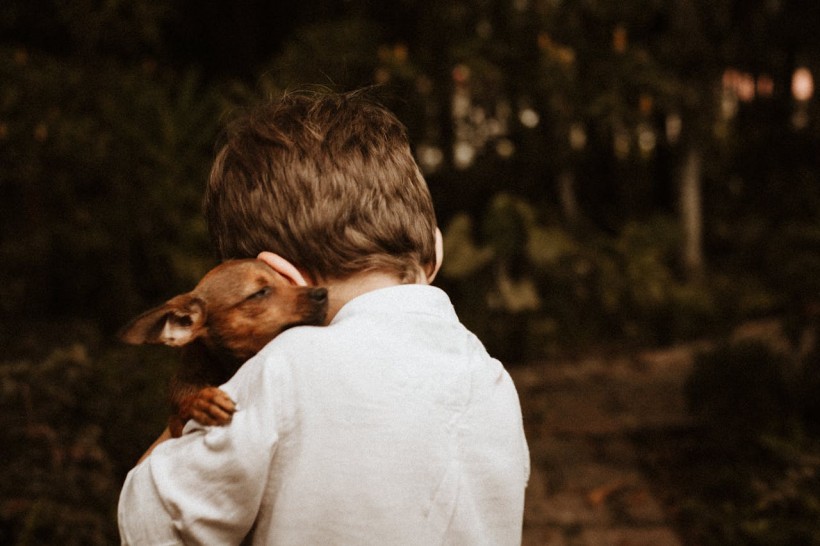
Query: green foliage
x: 72, y: 425
x: 751, y: 475
x: 766, y: 496
x: 105, y: 166
x: 538, y: 283
x: 791, y: 261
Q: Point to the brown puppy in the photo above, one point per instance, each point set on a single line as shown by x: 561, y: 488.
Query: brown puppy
x: 234, y: 311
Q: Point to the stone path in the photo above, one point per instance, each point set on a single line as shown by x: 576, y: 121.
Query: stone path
x: 587, y: 487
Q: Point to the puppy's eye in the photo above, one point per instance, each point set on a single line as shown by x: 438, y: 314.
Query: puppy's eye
x: 262, y: 293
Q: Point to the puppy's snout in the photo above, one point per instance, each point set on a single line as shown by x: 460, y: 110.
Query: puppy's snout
x: 318, y: 295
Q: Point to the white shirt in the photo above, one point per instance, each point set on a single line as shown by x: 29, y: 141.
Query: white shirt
x: 390, y: 426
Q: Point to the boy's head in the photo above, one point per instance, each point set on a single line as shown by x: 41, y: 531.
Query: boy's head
x: 327, y: 181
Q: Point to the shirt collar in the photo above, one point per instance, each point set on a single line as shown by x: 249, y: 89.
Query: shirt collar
x: 400, y: 299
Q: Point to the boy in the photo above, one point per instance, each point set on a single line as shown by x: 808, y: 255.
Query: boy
x: 389, y: 425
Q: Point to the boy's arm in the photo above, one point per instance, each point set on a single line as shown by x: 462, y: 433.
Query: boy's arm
x: 206, y: 486
x: 141, y: 514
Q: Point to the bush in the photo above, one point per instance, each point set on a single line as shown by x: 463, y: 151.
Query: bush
x: 742, y: 392
x: 751, y: 476
x: 530, y: 288
x: 104, y: 166
x: 73, y: 423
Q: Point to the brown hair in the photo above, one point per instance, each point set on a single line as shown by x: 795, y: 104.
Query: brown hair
x: 327, y: 181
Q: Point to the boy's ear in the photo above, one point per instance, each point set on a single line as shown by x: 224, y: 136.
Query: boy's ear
x: 283, y: 267
x: 176, y: 323
x: 439, y: 256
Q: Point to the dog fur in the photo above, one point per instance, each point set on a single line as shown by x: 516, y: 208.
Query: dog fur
x: 234, y: 311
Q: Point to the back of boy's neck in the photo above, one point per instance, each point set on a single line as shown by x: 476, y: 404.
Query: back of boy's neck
x: 342, y: 291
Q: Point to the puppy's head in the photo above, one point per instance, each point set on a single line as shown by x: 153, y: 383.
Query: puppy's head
x: 237, y: 308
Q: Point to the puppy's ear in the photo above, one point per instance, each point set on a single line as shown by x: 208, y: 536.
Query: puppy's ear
x: 176, y: 323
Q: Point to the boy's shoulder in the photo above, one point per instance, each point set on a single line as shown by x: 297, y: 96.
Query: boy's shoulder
x: 399, y: 323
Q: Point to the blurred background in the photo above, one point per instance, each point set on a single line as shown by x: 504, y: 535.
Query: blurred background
x: 610, y: 177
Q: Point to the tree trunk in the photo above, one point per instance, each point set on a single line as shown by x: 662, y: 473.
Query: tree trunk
x: 566, y: 195
x: 691, y: 213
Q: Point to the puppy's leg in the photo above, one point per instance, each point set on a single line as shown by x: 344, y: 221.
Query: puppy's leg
x: 175, y: 425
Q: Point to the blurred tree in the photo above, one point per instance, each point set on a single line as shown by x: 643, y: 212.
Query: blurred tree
x: 106, y: 166
x: 599, y: 114
x: 124, y: 29
x: 106, y: 158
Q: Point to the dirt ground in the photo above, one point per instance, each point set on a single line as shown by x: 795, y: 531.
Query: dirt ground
x: 588, y: 486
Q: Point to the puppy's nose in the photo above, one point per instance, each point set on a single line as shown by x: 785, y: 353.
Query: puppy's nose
x: 318, y: 294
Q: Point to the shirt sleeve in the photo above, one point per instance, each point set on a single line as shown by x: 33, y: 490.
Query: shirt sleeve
x: 206, y: 486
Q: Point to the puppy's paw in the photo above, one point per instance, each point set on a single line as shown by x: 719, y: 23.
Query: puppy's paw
x: 211, y: 406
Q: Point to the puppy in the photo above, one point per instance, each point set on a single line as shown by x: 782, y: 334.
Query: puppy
x: 234, y: 311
